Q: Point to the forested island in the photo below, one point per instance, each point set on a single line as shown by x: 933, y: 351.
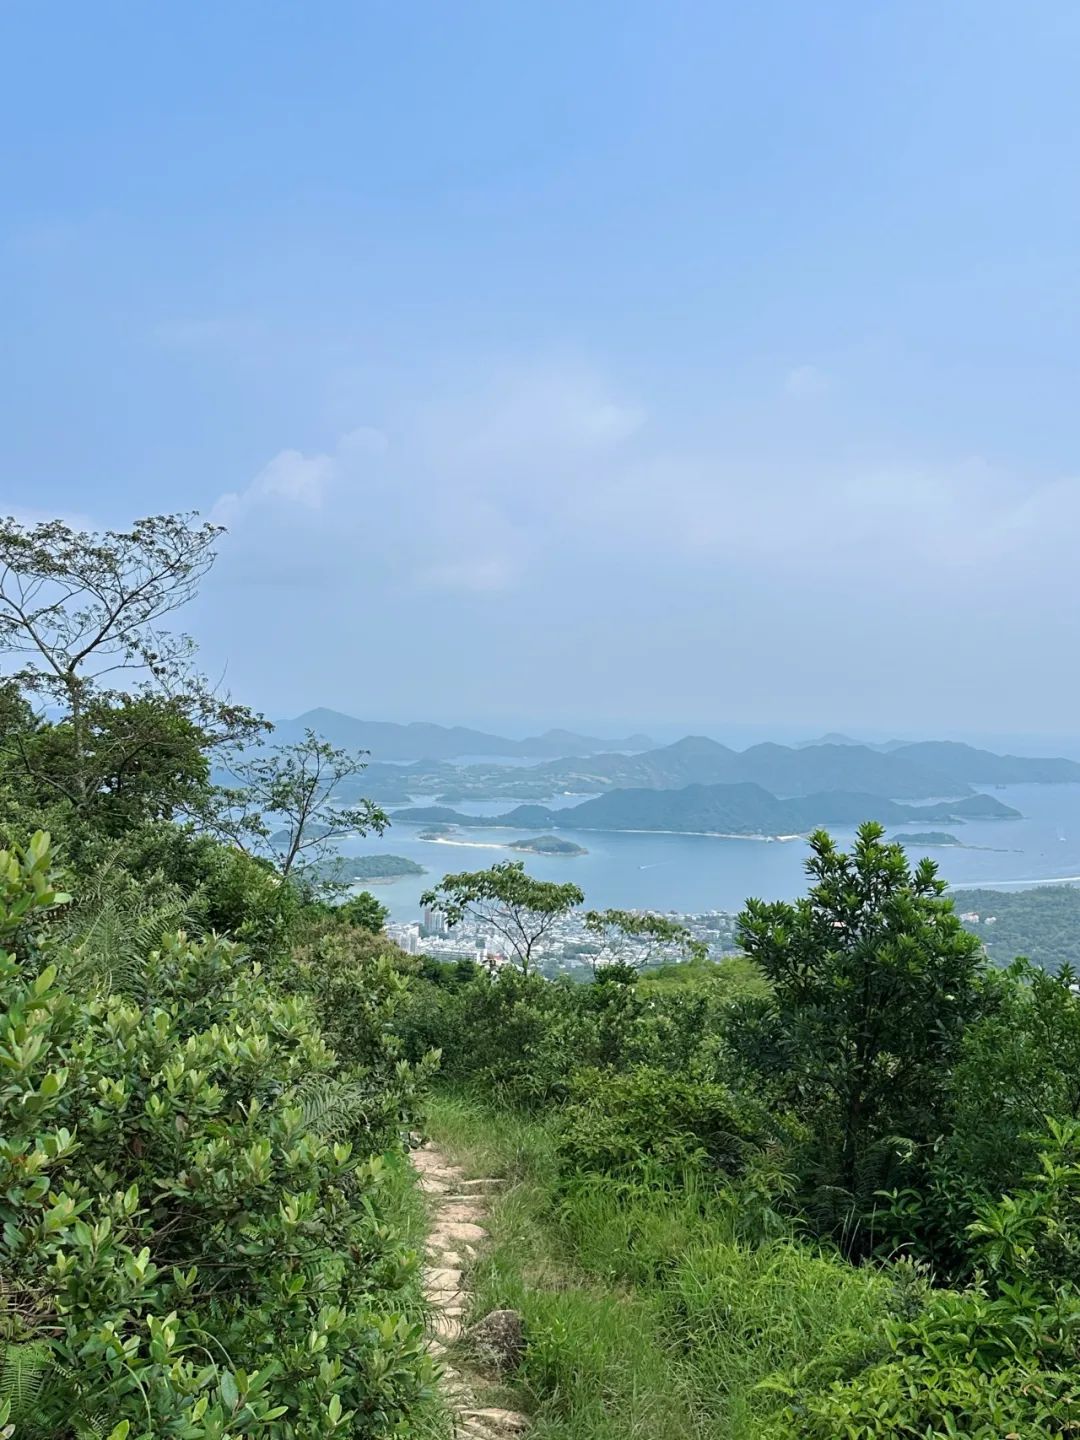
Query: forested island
x: 733, y: 810
x: 927, y: 837
x: 373, y: 868
x: 548, y: 845
x: 920, y: 771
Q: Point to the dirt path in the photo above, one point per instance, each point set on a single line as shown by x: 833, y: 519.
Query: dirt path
x: 458, y: 1209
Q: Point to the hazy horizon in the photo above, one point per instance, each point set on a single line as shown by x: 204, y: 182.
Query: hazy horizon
x: 739, y: 736
x: 685, y: 367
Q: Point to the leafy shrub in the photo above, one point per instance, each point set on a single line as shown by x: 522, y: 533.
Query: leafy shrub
x: 646, y: 1121
x: 523, y: 1036
x: 971, y: 1365
x: 364, y: 912
x: 186, y: 1250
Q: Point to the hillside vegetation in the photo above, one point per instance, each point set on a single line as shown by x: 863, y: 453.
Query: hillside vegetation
x: 828, y: 1187
x: 1042, y: 922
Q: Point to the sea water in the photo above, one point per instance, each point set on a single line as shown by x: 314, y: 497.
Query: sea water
x: 691, y: 873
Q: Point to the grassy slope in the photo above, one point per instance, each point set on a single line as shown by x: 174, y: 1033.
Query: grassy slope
x: 647, y: 1319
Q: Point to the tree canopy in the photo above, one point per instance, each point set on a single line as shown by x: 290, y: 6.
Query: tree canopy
x: 519, y: 908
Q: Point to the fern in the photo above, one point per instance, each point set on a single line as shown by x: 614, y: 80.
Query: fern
x: 108, y: 938
x: 24, y: 1369
x: 333, y: 1108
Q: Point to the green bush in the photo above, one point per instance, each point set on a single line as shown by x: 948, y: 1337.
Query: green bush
x: 523, y: 1036
x: 191, y: 1246
x: 970, y: 1365
x: 646, y: 1122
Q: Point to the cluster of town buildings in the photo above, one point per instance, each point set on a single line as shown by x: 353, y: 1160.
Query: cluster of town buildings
x: 567, y: 947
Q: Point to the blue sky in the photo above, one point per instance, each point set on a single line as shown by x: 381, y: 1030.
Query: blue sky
x: 667, y: 364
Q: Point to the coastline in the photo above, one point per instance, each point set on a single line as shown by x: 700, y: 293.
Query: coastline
x: 593, y: 830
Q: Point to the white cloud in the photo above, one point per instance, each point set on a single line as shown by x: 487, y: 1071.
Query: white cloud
x: 528, y: 535
x: 290, y: 477
x: 547, y: 471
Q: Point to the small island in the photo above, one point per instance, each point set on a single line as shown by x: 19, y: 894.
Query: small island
x: 548, y: 845
x: 927, y: 837
x: 344, y: 869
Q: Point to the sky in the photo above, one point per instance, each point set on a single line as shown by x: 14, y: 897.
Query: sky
x: 688, y: 365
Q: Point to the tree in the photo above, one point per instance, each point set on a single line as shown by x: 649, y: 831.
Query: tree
x: 79, y: 609
x: 874, y: 981
x: 651, y: 937
x: 137, y: 758
x: 518, y: 908
x: 293, y: 786
x: 364, y: 912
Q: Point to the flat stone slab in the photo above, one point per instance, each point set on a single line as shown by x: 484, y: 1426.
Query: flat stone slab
x: 456, y: 1233
x: 507, y: 1422
x: 467, y: 1209
x: 447, y: 1327
x: 441, y: 1279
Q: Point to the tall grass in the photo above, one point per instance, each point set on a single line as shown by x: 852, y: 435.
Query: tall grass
x: 649, y: 1315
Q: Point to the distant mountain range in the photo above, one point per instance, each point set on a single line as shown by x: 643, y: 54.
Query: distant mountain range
x: 421, y: 741
x: 571, y: 764
x: 966, y: 762
x: 928, y: 770
x: 740, y: 809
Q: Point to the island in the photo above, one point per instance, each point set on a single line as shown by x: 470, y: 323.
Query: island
x: 736, y: 811
x: 344, y: 869
x: 926, y: 837
x: 548, y: 845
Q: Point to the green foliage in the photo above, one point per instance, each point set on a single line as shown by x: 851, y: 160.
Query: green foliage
x: 364, y: 912
x: 968, y: 1365
x: 520, y: 909
x: 296, y: 787
x: 874, y: 982
x: 76, y: 608
x: 1042, y: 923
x: 198, y: 1247
x: 523, y: 1037
x: 1018, y: 1064
x: 644, y: 1122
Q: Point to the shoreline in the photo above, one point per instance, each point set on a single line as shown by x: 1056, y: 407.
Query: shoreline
x: 592, y: 830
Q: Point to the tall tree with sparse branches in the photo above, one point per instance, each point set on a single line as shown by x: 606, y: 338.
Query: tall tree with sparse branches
x: 518, y: 908
x: 287, y: 803
x: 82, y: 628
x: 652, y: 937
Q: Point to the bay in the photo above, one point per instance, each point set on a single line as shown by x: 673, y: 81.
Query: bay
x: 691, y: 873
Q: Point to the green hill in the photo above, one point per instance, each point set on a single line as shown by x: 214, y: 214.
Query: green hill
x: 744, y: 809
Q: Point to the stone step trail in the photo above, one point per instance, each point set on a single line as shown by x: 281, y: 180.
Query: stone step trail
x: 457, y: 1209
